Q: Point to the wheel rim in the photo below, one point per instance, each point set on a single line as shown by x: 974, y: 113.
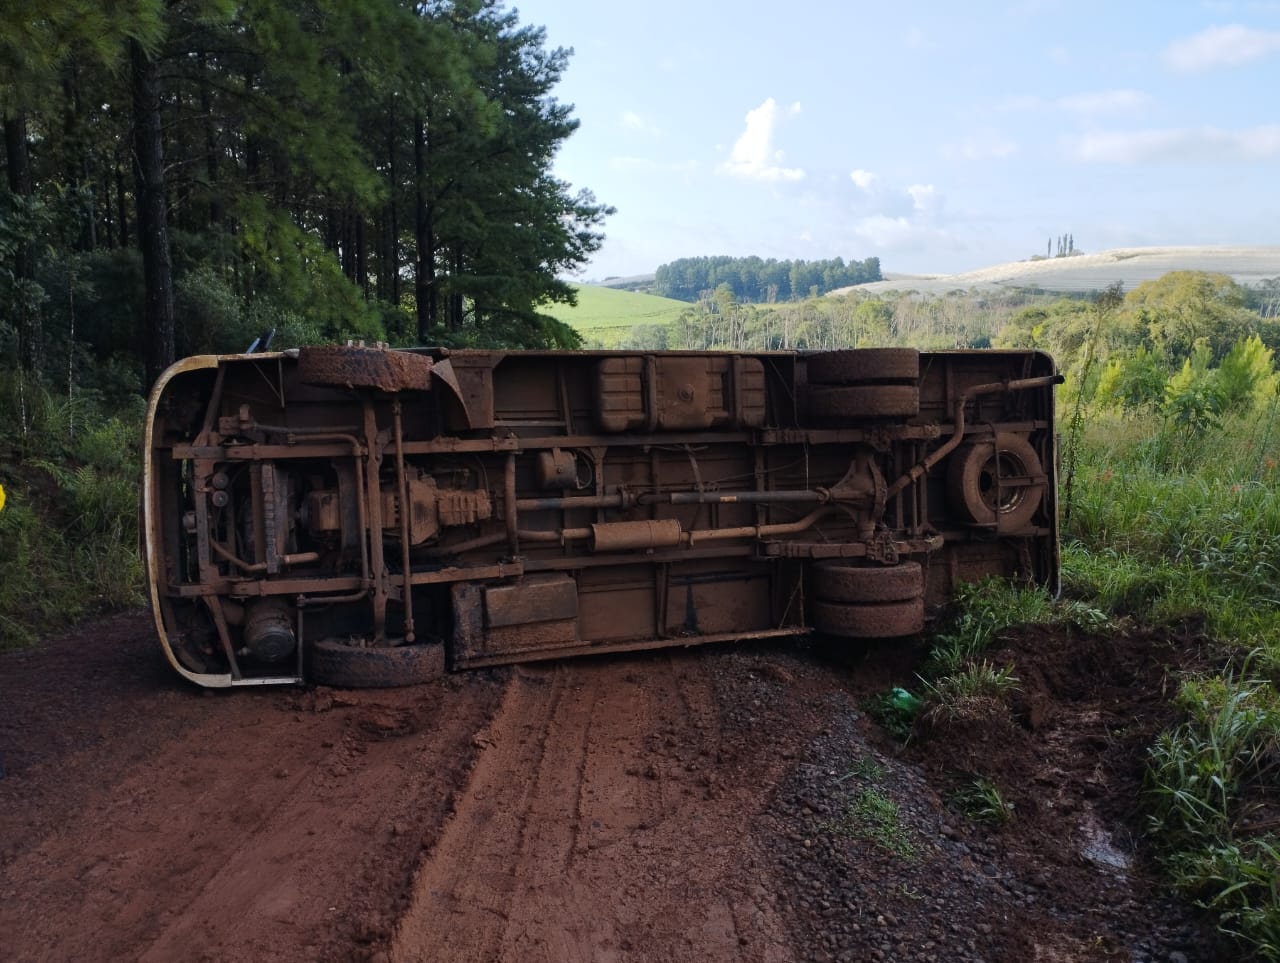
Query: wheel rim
x: 997, y: 495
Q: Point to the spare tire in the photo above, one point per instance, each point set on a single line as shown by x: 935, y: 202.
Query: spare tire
x: 335, y: 662
x: 850, y: 402
x: 975, y: 482
x: 356, y: 366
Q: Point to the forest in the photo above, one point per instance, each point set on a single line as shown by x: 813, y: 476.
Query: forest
x: 183, y: 175
x: 760, y: 281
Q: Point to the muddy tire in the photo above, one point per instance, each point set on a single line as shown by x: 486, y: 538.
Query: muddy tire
x: 851, y: 402
x: 860, y: 365
x: 336, y: 366
x: 334, y: 662
x: 839, y: 582
x: 878, y: 620
x: 974, y: 490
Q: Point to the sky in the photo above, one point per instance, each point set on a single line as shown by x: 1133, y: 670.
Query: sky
x: 938, y: 136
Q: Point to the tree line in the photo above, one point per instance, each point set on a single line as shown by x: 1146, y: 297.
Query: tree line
x: 760, y: 281
x: 181, y: 174
x: 1182, y: 315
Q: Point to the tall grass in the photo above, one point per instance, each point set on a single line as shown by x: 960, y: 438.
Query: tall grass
x: 1171, y: 522
x: 1199, y: 784
x: 1197, y: 533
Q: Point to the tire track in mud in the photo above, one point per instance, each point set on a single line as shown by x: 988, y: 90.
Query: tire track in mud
x: 231, y: 826
x: 599, y: 809
x: 593, y: 829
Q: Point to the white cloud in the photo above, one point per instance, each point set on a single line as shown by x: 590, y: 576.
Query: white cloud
x: 1104, y: 101
x: 924, y: 197
x: 1228, y: 46
x: 894, y: 226
x: 864, y: 179
x: 633, y: 121
x: 881, y: 232
x: 753, y: 156
x: 1204, y: 144
x: 986, y: 146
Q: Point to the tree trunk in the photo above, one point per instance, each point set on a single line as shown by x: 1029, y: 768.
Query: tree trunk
x: 381, y: 282
x: 348, y: 259
x: 153, y: 218
x: 79, y: 173
x: 426, y: 291
x: 122, y: 206
x: 104, y: 186
x: 393, y: 249
x: 456, y: 303
x: 214, y: 214
x: 362, y: 255
x: 425, y: 273
x: 331, y: 235
x: 30, y: 329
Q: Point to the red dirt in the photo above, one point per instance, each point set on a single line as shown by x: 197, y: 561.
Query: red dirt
x: 687, y: 805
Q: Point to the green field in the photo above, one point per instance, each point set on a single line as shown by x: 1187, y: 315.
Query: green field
x: 606, y: 315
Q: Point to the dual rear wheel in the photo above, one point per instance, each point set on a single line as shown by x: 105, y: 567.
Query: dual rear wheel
x: 867, y: 601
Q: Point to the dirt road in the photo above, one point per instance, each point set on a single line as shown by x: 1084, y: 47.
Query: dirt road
x: 689, y: 805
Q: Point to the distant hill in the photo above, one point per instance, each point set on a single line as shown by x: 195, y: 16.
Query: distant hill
x: 1247, y: 264
x: 606, y: 314
x: 637, y: 282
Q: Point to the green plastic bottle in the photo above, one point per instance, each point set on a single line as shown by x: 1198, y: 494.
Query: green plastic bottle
x: 904, y: 701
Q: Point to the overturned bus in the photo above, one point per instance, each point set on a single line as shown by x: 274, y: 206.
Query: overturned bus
x: 360, y: 516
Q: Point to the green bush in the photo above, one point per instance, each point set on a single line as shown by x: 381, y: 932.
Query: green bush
x: 69, y: 529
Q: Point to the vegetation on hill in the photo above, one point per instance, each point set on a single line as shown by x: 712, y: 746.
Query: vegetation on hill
x: 605, y: 317
x: 755, y: 280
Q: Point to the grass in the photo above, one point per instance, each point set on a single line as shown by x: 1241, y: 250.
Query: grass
x: 873, y: 816
x: 969, y: 691
x: 982, y: 801
x: 1197, y: 535
x: 605, y: 317
x: 1198, y: 788
x: 69, y: 528
x: 866, y: 768
x: 985, y: 610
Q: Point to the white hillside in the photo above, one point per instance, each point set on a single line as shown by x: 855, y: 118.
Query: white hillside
x: 1247, y: 264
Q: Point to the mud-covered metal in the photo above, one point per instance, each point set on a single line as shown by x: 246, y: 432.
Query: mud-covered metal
x: 353, y: 512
